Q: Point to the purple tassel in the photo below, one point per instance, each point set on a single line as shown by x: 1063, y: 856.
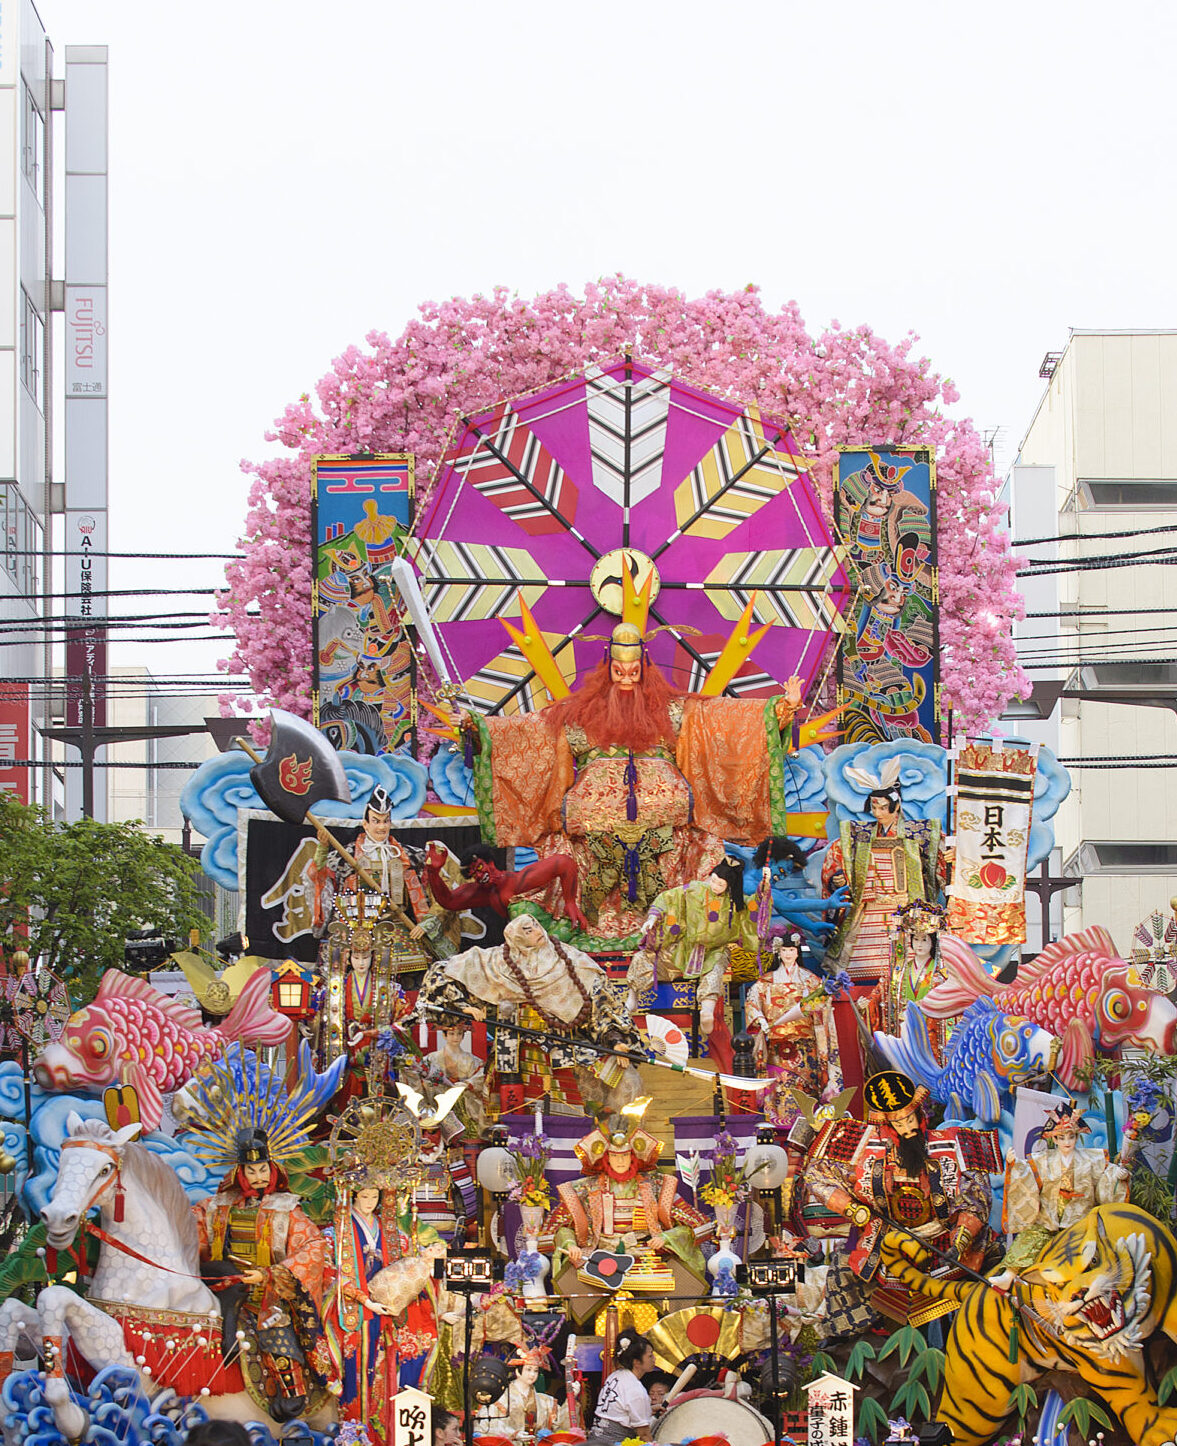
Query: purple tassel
x: 632, y: 865
x: 468, y: 747
x: 630, y: 778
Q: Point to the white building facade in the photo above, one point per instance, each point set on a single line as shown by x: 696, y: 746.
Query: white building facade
x: 53, y: 146
x: 1097, y: 475
x: 26, y: 499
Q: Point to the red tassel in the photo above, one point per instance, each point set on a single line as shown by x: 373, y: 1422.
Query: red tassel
x: 119, y: 1195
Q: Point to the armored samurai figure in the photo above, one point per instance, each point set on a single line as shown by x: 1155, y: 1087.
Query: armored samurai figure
x: 638, y: 782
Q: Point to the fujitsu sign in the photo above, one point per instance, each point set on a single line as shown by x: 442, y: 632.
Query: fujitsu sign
x: 85, y: 341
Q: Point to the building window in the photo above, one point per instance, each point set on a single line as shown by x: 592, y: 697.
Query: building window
x: 32, y: 348
x: 1147, y: 677
x: 22, y: 539
x: 33, y: 145
x: 1128, y: 495
x: 1124, y: 858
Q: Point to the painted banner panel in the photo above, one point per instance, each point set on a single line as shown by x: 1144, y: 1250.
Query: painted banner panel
x: 361, y: 512
x: 885, y: 514
x: 995, y: 797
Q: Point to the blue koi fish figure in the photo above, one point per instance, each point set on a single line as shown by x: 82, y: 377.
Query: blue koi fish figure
x: 988, y: 1053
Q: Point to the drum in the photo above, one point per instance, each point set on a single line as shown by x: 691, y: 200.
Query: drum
x: 705, y: 1415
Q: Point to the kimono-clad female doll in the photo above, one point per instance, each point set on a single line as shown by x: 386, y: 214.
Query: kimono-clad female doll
x: 795, y: 1051
x: 523, y: 1410
x: 361, y: 1332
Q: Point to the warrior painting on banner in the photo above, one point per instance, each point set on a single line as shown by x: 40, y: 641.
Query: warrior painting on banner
x: 884, y: 502
x: 362, y: 509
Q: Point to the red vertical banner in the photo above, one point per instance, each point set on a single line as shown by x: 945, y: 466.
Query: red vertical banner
x: 15, y: 739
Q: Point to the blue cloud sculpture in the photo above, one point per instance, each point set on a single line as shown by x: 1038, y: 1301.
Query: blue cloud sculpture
x: 221, y: 787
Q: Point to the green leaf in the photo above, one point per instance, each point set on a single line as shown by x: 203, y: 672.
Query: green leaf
x: 1083, y: 1411
x: 872, y: 1419
x: 1168, y: 1385
x: 890, y: 1345
x: 79, y: 889
x: 933, y: 1361
x: 821, y: 1362
x: 860, y: 1353
x: 1025, y: 1400
x: 912, y: 1400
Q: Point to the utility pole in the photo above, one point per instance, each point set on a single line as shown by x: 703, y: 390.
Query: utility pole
x: 88, y: 739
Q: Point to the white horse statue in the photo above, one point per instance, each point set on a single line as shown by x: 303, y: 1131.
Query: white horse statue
x: 148, y: 1273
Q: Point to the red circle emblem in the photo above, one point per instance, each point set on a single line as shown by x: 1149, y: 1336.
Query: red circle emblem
x: 703, y: 1332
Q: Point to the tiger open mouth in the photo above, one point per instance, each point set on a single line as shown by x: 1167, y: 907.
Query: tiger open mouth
x: 1104, y: 1315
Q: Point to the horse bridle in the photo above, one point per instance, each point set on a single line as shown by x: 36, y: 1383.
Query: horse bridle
x: 117, y: 1180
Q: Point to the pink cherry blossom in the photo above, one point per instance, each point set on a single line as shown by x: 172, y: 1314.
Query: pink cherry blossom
x: 844, y: 385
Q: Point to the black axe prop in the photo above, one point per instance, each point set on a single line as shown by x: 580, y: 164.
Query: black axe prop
x: 299, y: 770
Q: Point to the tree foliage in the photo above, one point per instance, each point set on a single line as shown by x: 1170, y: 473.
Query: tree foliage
x: 71, y: 893
x: 840, y: 386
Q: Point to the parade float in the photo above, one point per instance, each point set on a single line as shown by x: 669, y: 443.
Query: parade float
x: 636, y: 1042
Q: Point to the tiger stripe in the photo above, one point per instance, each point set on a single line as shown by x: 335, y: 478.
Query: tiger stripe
x: 979, y: 1378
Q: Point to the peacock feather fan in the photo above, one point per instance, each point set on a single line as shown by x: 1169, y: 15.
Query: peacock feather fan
x: 239, y: 1092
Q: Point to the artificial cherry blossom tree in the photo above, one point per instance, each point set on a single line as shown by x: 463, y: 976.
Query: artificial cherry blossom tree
x: 459, y: 357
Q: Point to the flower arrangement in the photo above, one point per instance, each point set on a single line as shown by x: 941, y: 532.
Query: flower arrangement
x: 726, y: 1186
x: 531, y: 1154
x: 390, y: 1044
x: 528, y: 1267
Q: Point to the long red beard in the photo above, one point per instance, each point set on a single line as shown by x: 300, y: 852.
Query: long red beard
x: 614, y: 718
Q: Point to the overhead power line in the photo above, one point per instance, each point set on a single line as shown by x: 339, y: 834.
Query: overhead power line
x: 1095, y: 615
x: 150, y: 556
x: 1093, y: 536
x: 1157, y: 557
x: 89, y: 763
x: 1093, y: 634
x: 137, y: 592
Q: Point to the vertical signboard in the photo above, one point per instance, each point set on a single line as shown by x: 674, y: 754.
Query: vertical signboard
x: 86, y: 392
x: 85, y: 598
x: 361, y: 512
x: 85, y: 341
x: 15, y: 739
x: 885, y: 514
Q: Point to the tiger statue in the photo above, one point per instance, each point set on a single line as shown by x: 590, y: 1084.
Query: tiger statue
x: 1088, y: 1303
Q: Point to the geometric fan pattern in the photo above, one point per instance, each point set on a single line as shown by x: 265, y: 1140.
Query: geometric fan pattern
x: 1154, y: 951
x: 788, y: 587
x: 733, y: 481
x: 627, y: 434
x: 40, y: 1006
x: 508, y: 454
x: 469, y: 581
x: 536, y: 490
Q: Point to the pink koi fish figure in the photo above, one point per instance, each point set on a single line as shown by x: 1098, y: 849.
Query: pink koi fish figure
x: 132, y: 1034
x: 1078, y: 988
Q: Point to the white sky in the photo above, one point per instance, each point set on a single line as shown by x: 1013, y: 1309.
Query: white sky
x: 288, y: 176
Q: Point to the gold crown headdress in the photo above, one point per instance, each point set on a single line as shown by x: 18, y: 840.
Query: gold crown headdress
x: 918, y: 917
x: 374, y: 1145
x: 887, y: 474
